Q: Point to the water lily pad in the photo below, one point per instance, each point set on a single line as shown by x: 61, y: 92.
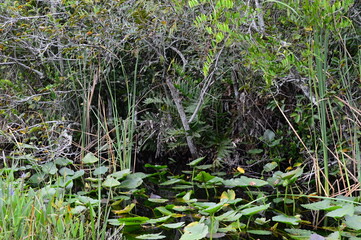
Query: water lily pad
x: 195, y: 231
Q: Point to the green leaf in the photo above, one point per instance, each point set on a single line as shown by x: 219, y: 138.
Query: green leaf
x: 120, y: 174
x: 259, y: 232
x: 64, y: 171
x: 255, y: 151
x: 254, y: 210
x: 321, y: 205
x: 286, y: 219
x: 171, y: 181
x: 63, y: 161
x: 78, y: 174
x: 347, y: 209
x: 353, y: 222
x: 158, y: 200
x: 270, y: 166
x: 110, y: 182
x: 100, y: 170
x: 49, y: 168
x: 174, y: 225
x: 244, y: 182
x: 229, y: 216
x: 158, y: 220
x: 195, y: 162
x: 151, y: 236
x: 203, y: 177
x: 133, y: 220
x: 89, y: 158
x: 216, y: 207
x: 132, y: 181
x: 195, y: 231
x: 78, y: 209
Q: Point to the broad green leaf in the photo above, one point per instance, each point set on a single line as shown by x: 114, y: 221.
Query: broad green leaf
x: 181, y: 208
x: 100, y: 170
x: 347, y: 209
x: 110, y: 182
x: 64, y: 171
x: 203, y: 177
x: 269, y: 135
x: 259, y: 232
x: 270, y: 166
x: 174, y: 225
x: 89, y: 158
x: 63, y: 161
x: 158, y: 200
x: 37, y: 178
x: 321, y: 205
x: 353, y: 222
x: 229, y: 216
x: 195, y: 231
x: 244, y: 182
x: 254, y: 210
x: 286, y: 219
x: 229, y: 195
x: 132, y: 181
x: 334, y: 236
x: 216, y: 207
x: 195, y: 162
x: 171, y: 181
x: 78, y: 209
x: 301, y: 234
x: 78, y: 174
x: 255, y: 151
x: 158, y: 220
x: 87, y: 200
x: 133, y: 220
x: 151, y: 236
x: 49, y: 168
x: 120, y: 174
x: 164, y: 211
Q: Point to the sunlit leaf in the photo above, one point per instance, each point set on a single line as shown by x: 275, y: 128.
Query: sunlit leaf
x: 133, y: 220
x: 174, y: 225
x: 110, y: 182
x: 151, y: 236
x: 254, y: 210
x: 195, y: 162
x: 286, y: 219
x: 353, y: 222
x: 195, y: 231
x: 347, y: 209
x: 89, y: 158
